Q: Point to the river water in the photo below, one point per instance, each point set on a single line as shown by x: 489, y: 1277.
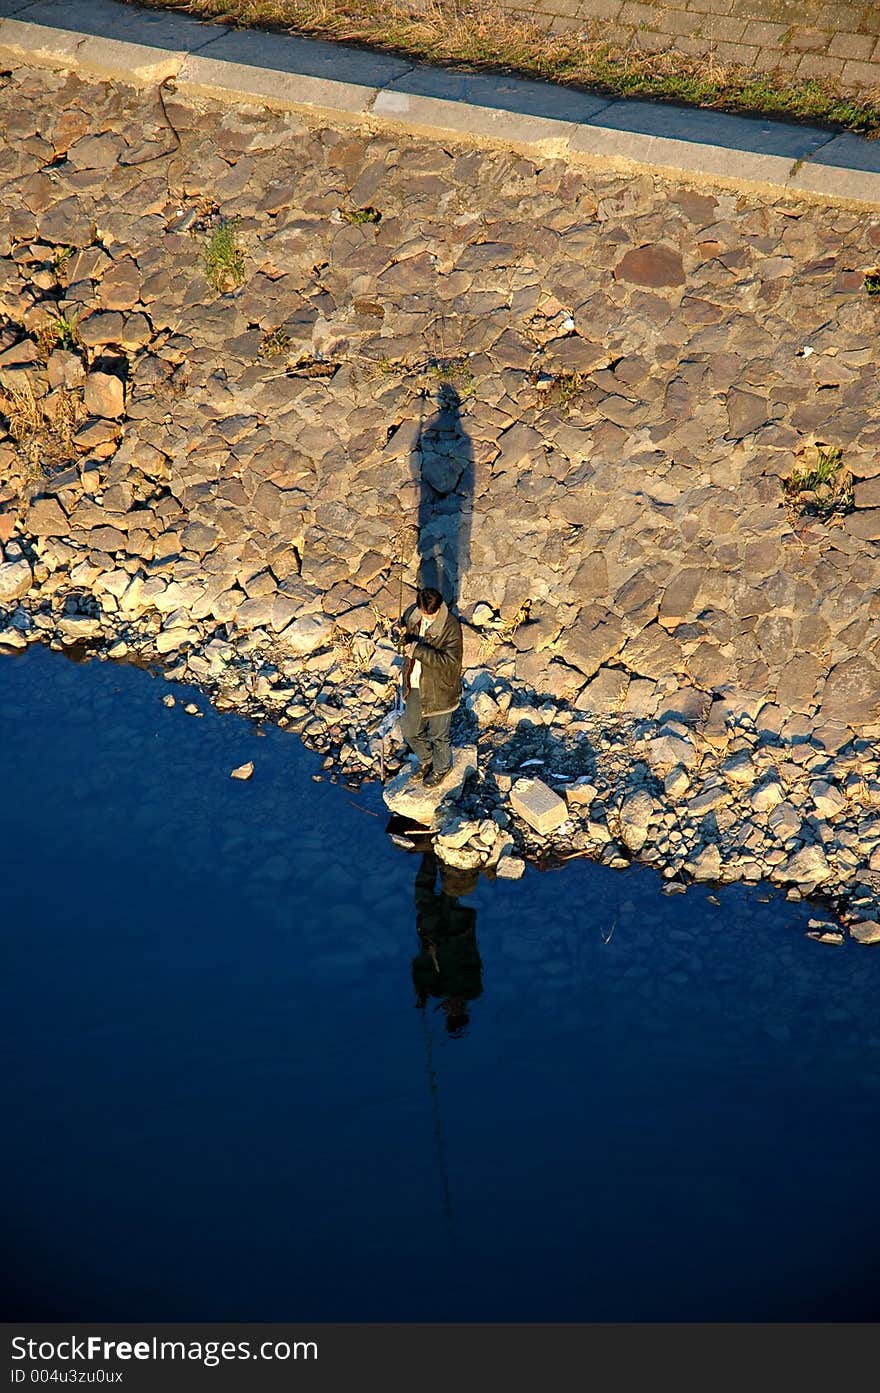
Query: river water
x: 224, y: 1102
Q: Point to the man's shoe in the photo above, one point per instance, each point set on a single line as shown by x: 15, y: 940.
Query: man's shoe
x: 435, y: 777
x: 423, y: 770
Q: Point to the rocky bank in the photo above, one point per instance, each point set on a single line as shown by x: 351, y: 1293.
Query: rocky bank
x: 574, y: 397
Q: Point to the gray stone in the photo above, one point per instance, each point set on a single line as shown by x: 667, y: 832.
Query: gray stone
x: 636, y: 813
x: 306, y: 635
x: 807, y: 867
x: 538, y: 805
x: 408, y: 796
x: 15, y: 580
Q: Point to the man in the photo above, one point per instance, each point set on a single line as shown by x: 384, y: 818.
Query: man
x: 431, y: 636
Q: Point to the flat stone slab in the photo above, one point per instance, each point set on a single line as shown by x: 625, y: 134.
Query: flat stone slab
x: 538, y: 805
x: 407, y: 795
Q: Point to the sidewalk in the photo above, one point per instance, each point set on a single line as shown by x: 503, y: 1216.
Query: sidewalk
x: 831, y: 40
x: 113, y: 41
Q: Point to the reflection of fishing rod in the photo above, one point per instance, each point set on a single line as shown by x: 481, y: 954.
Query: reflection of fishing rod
x: 434, y: 1092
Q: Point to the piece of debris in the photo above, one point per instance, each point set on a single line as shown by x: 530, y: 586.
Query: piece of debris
x: 244, y: 771
x: 538, y: 805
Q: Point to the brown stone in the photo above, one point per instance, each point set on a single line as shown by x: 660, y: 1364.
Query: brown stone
x: 745, y: 413
x: 101, y: 329
x: 104, y: 395
x: 865, y: 524
x: 120, y: 287
x: 586, y: 644
x: 46, y: 518
x: 867, y: 493
x: 798, y: 682
x: 852, y: 692
x: 653, y: 266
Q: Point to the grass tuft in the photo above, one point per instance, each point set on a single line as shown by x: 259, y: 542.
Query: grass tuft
x: 224, y: 258
x: 275, y: 343
x: 872, y: 281
x: 358, y: 216
x: 58, y: 331
x: 821, y: 485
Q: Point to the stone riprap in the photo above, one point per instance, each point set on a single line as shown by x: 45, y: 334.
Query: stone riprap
x: 576, y: 394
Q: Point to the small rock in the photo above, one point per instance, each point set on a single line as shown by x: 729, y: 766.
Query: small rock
x: 15, y: 580
x: 739, y: 768
x: 767, y: 797
x: 538, y: 805
x: 244, y: 771
x: 667, y: 751
x: 808, y: 867
x: 635, y: 817
x: 192, y: 710
x: 104, y: 395
x: 829, y: 801
x: 676, y: 783
x: 580, y: 794
x: 510, y: 868
x: 866, y: 931
x: 707, y: 866
x: 169, y: 700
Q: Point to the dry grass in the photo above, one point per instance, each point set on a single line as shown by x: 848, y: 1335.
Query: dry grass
x: 466, y: 34
x: 820, y: 485
x: 58, y: 331
x: 502, y: 630
x: 43, y: 441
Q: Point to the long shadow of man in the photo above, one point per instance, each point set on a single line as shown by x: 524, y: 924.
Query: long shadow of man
x: 443, y: 465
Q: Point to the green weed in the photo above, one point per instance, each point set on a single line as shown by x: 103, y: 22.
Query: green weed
x: 275, y: 343
x: 358, y: 216
x: 224, y: 258
x: 58, y: 331
x: 821, y: 485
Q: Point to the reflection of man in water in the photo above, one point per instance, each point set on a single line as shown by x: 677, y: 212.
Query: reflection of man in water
x: 448, y: 965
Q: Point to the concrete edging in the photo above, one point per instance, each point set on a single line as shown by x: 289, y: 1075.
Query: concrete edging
x: 114, y: 41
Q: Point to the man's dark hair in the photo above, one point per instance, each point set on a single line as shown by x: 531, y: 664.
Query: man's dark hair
x: 429, y: 599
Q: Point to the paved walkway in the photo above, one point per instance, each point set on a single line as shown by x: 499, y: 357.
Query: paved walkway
x: 803, y: 39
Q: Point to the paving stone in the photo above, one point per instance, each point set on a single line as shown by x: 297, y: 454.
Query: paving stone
x: 538, y: 805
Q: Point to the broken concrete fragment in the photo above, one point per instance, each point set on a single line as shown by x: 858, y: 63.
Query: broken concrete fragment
x: 538, y: 805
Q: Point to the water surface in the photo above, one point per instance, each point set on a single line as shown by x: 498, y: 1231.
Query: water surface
x: 223, y: 1102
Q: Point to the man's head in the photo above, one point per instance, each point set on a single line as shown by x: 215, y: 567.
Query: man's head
x: 429, y: 600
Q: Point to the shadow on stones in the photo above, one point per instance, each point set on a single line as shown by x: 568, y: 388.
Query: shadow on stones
x: 442, y: 464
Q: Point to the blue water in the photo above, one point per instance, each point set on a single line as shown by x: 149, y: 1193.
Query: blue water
x: 223, y: 1103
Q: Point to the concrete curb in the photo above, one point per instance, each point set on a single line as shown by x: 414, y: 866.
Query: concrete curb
x: 111, y: 40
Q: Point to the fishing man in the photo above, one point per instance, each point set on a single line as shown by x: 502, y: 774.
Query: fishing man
x: 430, y: 635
